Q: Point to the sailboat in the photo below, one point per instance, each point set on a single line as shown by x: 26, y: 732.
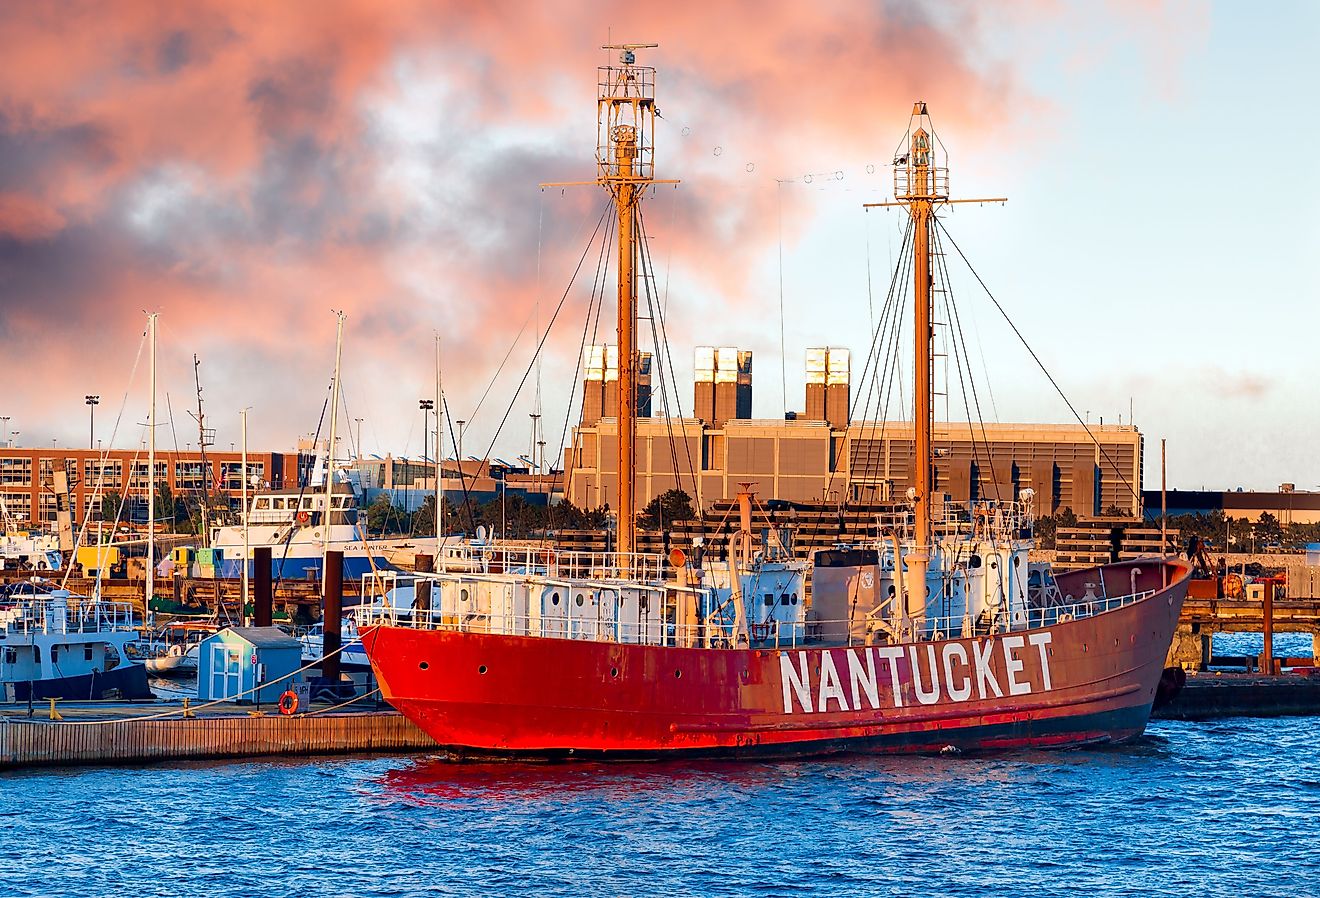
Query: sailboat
x: 57, y: 644
x: 937, y: 636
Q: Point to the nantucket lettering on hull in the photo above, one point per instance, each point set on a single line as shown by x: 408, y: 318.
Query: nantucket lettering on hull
x: 851, y: 679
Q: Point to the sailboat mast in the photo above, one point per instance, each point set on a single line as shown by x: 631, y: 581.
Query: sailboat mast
x: 330, y: 448
x: 151, y: 474
x: 439, y: 451
x: 247, y: 548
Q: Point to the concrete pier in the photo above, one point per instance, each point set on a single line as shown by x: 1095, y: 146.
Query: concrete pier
x: 1212, y: 695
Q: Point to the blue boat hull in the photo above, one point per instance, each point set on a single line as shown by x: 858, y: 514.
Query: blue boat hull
x: 355, y: 567
x: 127, y: 682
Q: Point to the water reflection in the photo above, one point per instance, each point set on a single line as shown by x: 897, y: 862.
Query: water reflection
x: 440, y: 781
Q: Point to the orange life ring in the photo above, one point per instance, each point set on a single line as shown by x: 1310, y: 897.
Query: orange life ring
x: 304, y: 518
x: 288, y: 702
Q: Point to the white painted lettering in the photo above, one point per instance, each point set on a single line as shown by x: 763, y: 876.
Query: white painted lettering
x: 923, y: 696
x: 1014, y: 665
x: 957, y: 693
x: 831, y: 687
x: 984, y: 673
x: 863, y: 679
x: 795, y: 684
x: 892, y: 653
x: 1040, y: 640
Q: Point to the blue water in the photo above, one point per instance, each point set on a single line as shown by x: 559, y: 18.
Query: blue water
x: 1226, y: 808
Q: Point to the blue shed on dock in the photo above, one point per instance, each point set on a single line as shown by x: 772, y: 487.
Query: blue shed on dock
x: 233, y: 663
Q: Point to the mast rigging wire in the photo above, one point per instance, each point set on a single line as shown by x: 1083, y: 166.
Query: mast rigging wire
x: 1037, y: 360
x: 544, y: 337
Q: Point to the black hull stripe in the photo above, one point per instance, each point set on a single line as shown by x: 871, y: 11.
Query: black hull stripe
x: 1104, y: 727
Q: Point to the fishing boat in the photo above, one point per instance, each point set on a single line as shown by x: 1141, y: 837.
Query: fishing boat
x: 55, y: 644
x: 938, y: 635
x: 23, y: 547
x: 294, y: 525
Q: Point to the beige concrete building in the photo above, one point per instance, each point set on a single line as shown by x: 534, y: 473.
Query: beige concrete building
x: 810, y: 461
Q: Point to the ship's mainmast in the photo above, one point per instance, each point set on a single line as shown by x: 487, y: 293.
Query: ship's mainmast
x: 921, y: 184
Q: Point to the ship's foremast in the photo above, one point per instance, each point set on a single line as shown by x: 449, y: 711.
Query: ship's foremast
x: 625, y: 167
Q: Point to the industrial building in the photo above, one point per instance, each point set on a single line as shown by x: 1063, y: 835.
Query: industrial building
x: 1288, y: 505
x: 820, y: 455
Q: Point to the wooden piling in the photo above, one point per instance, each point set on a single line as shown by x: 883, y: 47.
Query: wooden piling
x: 263, y: 601
x: 332, y: 615
x: 422, y: 589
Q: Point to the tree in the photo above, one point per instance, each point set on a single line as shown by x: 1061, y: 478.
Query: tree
x: 423, y: 519
x: 110, y: 502
x: 166, y: 506
x: 384, y: 517
x: 664, y: 509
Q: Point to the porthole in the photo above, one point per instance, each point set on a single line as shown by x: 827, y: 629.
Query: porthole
x: 614, y: 671
x: 678, y: 675
x: 462, y: 595
x: 1084, y: 648
x: 554, y: 598
x: 481, y: 669
x: 579, y: 600
x: 424, y: 665
x: 794, y: 598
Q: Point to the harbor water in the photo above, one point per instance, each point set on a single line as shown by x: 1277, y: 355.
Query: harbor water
x: 1222, y: 808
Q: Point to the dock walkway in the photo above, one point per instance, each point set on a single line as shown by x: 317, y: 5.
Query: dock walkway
x: 124, y: 735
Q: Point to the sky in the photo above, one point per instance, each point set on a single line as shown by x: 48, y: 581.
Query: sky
x: 247, y: 169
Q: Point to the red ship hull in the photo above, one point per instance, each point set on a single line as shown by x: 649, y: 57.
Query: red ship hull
x: 1084, y: 681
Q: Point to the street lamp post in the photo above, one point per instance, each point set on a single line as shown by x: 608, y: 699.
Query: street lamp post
x: 462, y: 477
x: 359, y: 436
x: 425, y: 405
x: 5, y: 439
x: 93, y: 400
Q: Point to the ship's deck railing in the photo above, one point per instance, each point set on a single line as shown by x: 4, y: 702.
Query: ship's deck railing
x: 58, y: 616
x: 646, y: 567
x: 661, y: 623
x: 963, y: 626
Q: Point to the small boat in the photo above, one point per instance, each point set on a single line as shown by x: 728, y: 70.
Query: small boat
x: 352, y: 658
x: 55, y: 644
x: 172, y: 651
x: 23, y: 547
